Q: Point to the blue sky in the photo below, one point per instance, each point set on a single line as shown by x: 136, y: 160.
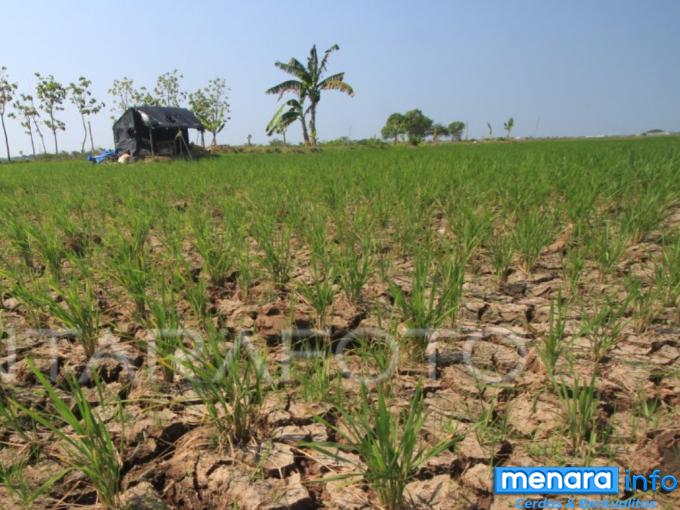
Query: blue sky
x: 567, y: 68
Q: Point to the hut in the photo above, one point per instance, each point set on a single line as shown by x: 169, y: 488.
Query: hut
x: 155, y: 131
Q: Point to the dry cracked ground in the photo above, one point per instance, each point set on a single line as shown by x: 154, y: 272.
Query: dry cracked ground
x: 170, y: 455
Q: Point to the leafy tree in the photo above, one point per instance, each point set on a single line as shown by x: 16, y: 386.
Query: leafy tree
x: 308, y: 84
x: 417, y: 126
x: 394, y: 127
x: 7, y: 91
x: 124, y: 93
x: 87, y: 104
x: 508, y: 125
x: 28, y: 116
x: 51, y: 95
x: 168, y: 90
x: 438, y: 130
x: 211, y: 107
x: 456, y: 129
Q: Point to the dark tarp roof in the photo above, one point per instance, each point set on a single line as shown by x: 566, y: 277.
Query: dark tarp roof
x: 166, y: 117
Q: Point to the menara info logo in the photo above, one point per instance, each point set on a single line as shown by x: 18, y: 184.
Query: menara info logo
x: 556, y: 480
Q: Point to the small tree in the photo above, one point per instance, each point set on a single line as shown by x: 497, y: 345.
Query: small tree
x: 7, y: 90
x: 211, y: 107
x: 394, y: 127
x: 87, y: 104
x: 168, y: 90
x: 488, y: 126
x: 508, y: 125
x: 438, y: 130
x: 123, y: 92
x: 456, y: 129
x: 28, y: 115
x: 283, y: 118
x: 51, y: 95
x: 417, y: 126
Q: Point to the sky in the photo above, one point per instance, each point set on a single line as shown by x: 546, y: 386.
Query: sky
x: 578, y: 68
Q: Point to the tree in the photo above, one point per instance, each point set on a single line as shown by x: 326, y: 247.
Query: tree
x: 211, y: 107
x: 394, y: 127
x: 87, y: 104
x: 168, y: 90
x: 51, y: 95
x: 7, y: 91
x: 28, y: 115
x: 123, y: 92
x: 488, y: 126
x: 283, y: 118
x: 417, y: 126
x: 508, y: 125
x: 456, y: 129
x: 438, y: 130
x: 308, y: 84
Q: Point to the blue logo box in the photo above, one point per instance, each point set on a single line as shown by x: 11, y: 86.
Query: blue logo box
x: 556, y: 480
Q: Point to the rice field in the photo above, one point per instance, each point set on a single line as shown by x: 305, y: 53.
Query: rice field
x: 357, y: 327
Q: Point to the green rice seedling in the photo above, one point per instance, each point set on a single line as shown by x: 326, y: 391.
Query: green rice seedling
x: 603, y: 327
x: 580, y: 403
x: 354, y: 267
x: 644, y: 302
x: 51, y: 247
x: 551, y: 349
x: 246, y: 272
x: 533, y: 232
x: 231, y: 385
x: 668, y: 273
x: 647, y: 408
x: 20, y: 240
x: 166, y: 325
x: 78, y: 310
x: 387, y: 442
x: 275, y: 242
x: 131, y: 269
x: 435, y: 293
x: 574, y: 265
x: 643, y: 211
x: 320, y: 294
x: 607, y: 247
x: 501, y: 250
x: 472, y: 227
x: 197, y: 296
x: 491, y: 428
x: 21, y: 489
x: 219, y: 258
x: 316, y: 377
x: 31, y: 292
x: 88, y: 444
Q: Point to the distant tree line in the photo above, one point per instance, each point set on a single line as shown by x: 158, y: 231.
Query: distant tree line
x: 415, y: 126
x: 41, y: 107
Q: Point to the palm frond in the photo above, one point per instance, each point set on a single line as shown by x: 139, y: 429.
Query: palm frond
x: 336, y: 82
x: 286, y: 86
x: 327, y: 54
x: 294, y: 67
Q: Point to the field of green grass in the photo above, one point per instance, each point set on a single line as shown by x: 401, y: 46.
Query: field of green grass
x: 349, y: 328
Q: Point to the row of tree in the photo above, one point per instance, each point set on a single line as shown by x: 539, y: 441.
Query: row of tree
x: 42, y: 107
x: 415, y: 126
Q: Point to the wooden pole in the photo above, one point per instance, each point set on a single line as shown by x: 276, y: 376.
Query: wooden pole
x: 151, y: 140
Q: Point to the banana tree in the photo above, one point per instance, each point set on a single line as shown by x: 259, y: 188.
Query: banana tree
x: 308, y: 82
x: 283, y: 118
